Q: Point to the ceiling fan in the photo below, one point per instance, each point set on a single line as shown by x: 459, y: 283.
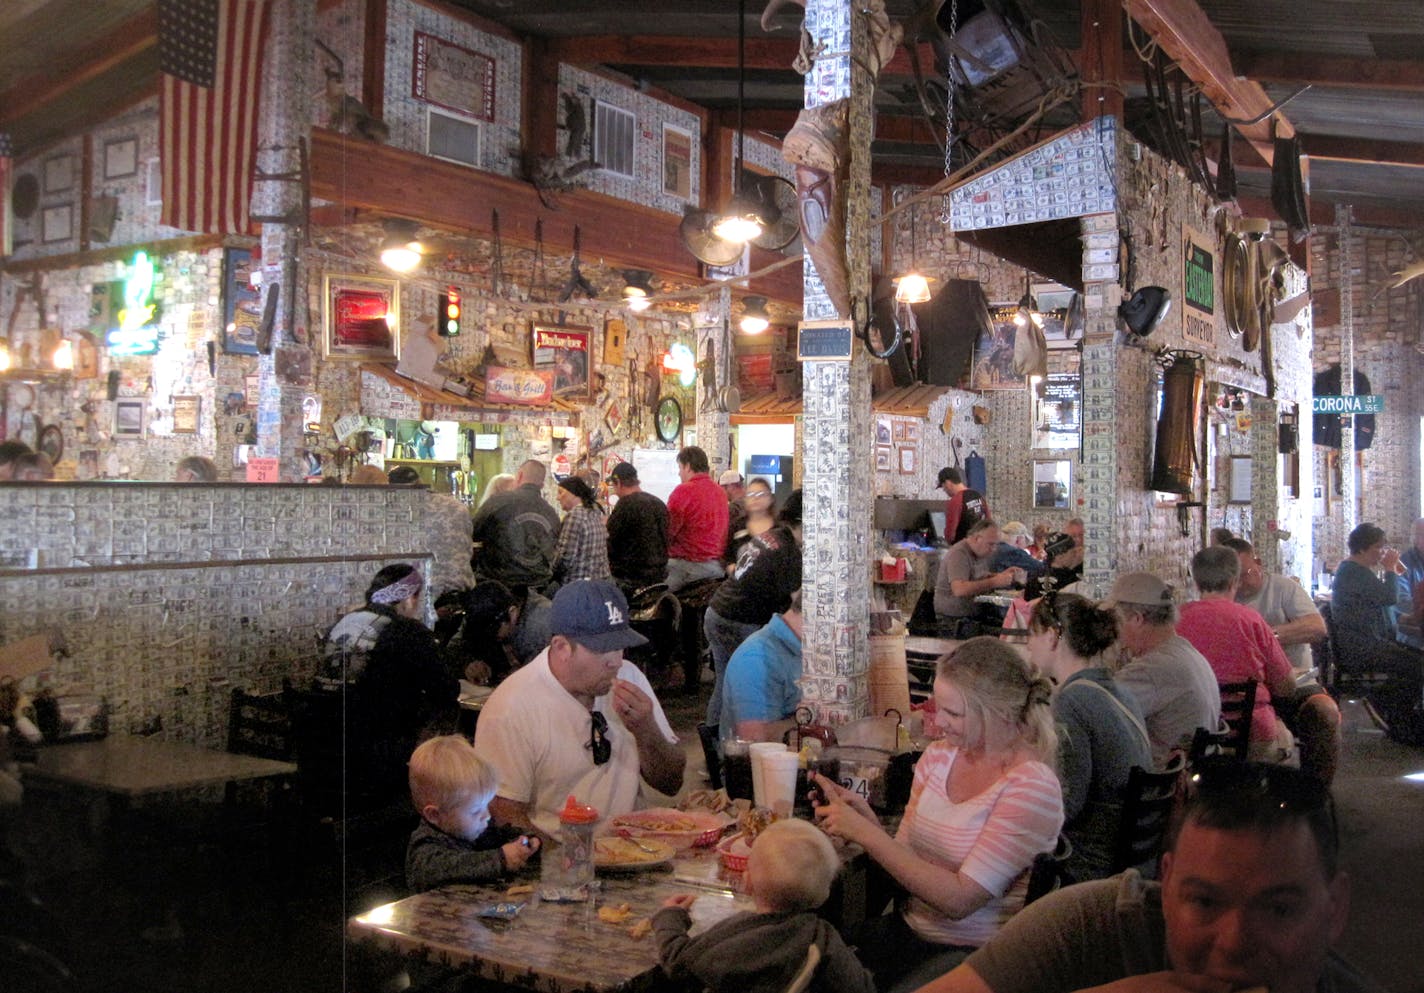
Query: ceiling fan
x: 780, y: 216
x: 706, y: 247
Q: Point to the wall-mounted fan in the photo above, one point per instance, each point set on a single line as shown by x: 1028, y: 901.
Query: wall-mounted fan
x: 779, y: 212
x: 706, y: 247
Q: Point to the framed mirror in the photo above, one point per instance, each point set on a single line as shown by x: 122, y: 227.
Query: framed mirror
x: 1052, y: 483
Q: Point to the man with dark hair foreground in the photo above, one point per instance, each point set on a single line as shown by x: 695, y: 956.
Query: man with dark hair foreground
x: 1252, y: 897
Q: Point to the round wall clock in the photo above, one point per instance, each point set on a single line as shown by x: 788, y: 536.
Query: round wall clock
x: 668, y: 419
x: 51, y: 442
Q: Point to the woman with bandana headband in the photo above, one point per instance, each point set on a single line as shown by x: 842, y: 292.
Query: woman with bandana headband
x: 398, y: 690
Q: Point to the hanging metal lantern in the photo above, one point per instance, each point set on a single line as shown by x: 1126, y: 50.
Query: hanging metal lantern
x: 1175, y: 453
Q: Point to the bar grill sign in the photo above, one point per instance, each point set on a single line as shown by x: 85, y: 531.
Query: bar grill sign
x: 1198, y: 288
x: 1368, y: 403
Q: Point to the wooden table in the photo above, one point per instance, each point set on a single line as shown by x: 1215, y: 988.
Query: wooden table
x: 553, y: 947
x: 127, y: 767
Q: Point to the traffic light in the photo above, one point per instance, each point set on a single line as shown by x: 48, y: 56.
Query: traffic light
x: 450, y: 312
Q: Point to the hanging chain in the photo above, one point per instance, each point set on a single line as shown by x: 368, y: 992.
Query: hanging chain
x: 949, y: 116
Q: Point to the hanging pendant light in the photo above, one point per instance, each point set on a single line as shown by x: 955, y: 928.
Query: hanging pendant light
x: 755, y: 318
x: 912, y: 287
x: 1028, y: 310
x: 742, y: 220
x: 638, y: 286
x: 400, y: 251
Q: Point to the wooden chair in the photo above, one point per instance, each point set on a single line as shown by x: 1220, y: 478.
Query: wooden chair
x: 1238, y: 700
x: 258, y: 818
x: 692, y: 607
x: 1148, y: 806
x: 1344, y: 667
x: 1049, y: 871
x: 259, y: 724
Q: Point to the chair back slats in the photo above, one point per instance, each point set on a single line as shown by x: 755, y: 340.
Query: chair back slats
x: 1148, y: 804
x: 259, y: 724
x: 1049, y: 871
x: 1238, y: 701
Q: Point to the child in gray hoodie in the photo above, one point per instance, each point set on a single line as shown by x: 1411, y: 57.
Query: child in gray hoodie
x: 789, y: 875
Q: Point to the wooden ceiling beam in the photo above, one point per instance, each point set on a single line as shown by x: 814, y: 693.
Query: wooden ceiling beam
x: 393, y: 182
x: 1189, y: 38
x: 1322, y: 213
x: 1368, y: 150
x: 1337, y: 71
x: 700, y: 52
x: 132, y: 38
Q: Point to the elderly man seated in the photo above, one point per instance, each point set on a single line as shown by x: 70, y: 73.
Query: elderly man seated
x: 578, y: 720
x: 966, y: 571
x: 1252, y: 897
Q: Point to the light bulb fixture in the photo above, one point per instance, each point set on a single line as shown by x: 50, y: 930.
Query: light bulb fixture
x: 912, y: 287
x: 400, y: 251
x: 755, y: 318
x: 4, y: 356
x: 742, y: 220
x: 637, y: 288
x: 63, y: 357
x: 1028, y: 311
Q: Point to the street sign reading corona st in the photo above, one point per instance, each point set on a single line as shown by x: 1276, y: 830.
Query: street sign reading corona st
x: 1360, y: 404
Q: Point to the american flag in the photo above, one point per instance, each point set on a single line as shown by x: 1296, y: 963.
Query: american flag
x: 210, y: 52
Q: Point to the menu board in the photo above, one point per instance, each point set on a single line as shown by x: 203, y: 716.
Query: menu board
x: 1057, y: 405
x: 657, y: 471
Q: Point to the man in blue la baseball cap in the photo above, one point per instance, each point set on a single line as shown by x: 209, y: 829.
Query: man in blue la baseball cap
x: 594, y: 613
x: 578, y: 720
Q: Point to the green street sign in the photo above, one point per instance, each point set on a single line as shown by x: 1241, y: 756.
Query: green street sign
x: 1366, y: 404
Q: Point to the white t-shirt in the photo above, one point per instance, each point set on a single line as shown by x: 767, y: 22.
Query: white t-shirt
x: 1280, y: 600
x: 536, y: 735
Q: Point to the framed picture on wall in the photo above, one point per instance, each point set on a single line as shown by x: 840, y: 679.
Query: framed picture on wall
x: 884, y: 458
x: 241, y: 303
x: 677, y: 162
x: 361, y: 318
x: 59, y: 174
x: 994, y: 352
x: 564, y: 351
x: 57, y: 223
x: 908, y: 461
x: 453, y: 77
x: 120, y: 158
x: 186, y: 410
x: 129, y: 419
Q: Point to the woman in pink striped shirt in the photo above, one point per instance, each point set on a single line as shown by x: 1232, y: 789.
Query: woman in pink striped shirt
x: 985, y: 801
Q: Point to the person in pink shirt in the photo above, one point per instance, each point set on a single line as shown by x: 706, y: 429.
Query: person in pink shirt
x: 1240, y: 646
x: 697, y: 522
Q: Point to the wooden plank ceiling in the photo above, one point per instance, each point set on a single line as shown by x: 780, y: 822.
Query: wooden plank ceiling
x: 66, y: 64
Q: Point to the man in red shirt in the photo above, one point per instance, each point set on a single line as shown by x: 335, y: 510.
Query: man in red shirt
x: 697, y: 522
x: 1240, y: 646
x: 963, y: 509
